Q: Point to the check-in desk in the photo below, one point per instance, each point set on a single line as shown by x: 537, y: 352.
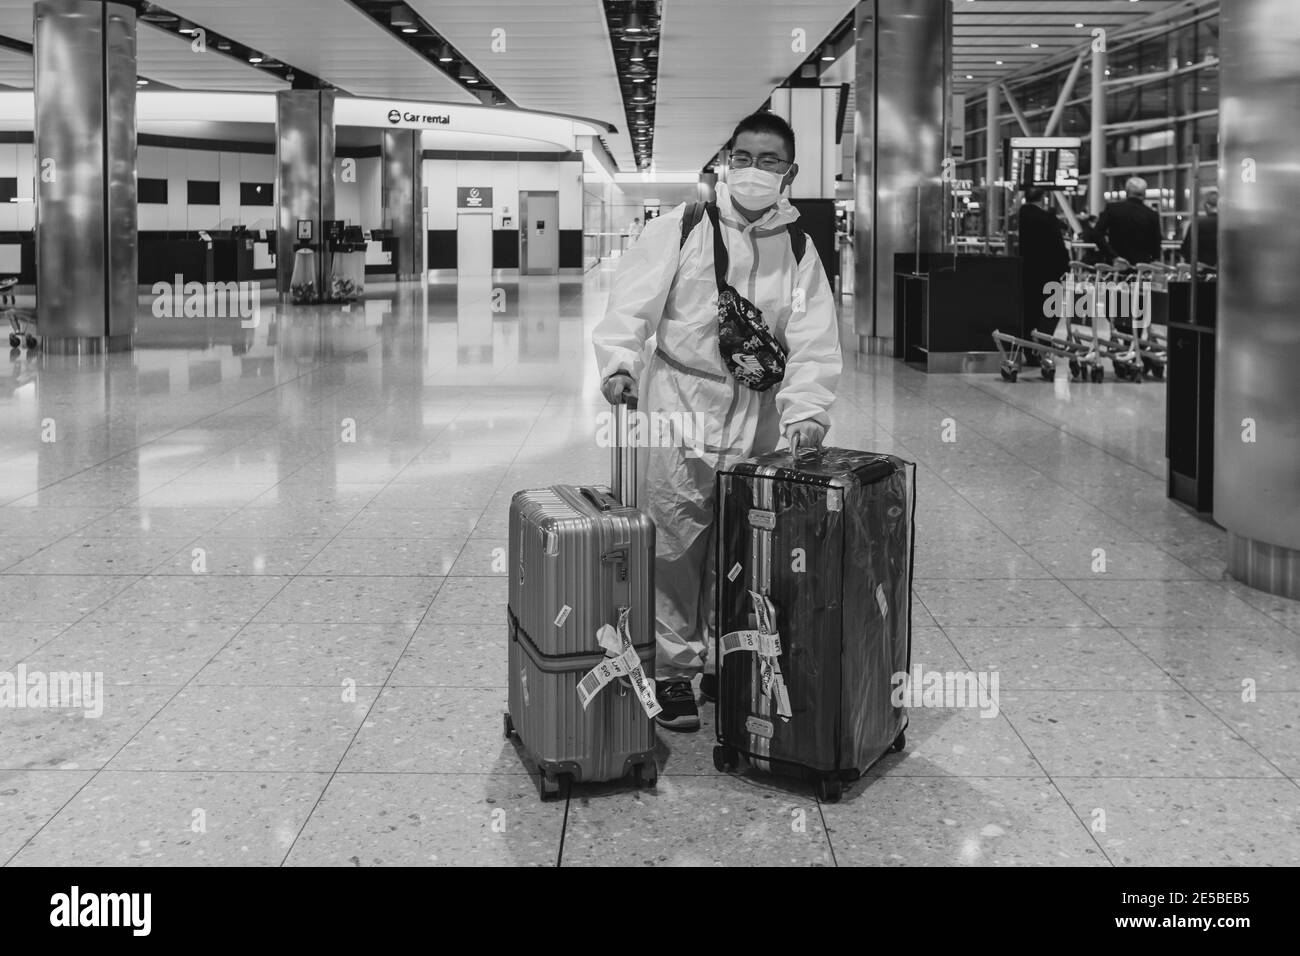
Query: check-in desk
x: 223, y: 258
x: 945, y: 312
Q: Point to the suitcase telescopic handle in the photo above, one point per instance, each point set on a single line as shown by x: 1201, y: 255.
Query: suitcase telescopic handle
x: 622, y: 464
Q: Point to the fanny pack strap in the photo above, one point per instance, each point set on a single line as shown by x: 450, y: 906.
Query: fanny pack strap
x: 720, y: 261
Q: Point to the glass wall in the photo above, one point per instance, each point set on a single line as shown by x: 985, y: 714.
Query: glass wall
x: 1162, y: 95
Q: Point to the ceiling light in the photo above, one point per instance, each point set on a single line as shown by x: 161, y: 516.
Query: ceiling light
x: 254, y: 59
x: 633, y: 22
x: 223, y: 46
x: 401, y: 16
x: 969, y: 77
x: 1078, y: 26
x: 465, y: 71
x: 828, y: 55
x: 444, y: 55
x: 410, y: 30
x: 638, y: 79
x: 1034, y: 45
x: 998, y: 62
x: 142, y: 82
x: 637, y: 55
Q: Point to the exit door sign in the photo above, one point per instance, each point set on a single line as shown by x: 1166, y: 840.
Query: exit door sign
x: 474, y: 197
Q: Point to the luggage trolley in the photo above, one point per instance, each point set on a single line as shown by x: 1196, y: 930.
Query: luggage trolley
x: 1012, y: 349
x: 1086, y: 338
x: 1084, y: 361
x: 22, y: 323
x: 1152, y: 347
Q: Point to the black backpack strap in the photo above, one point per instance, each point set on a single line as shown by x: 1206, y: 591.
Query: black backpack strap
x: 798, y: 241
x: 721, y: 263
x: 690, y: 219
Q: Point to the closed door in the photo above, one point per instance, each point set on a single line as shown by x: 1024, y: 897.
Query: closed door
x: 539, y: 234
x: 474, y: 244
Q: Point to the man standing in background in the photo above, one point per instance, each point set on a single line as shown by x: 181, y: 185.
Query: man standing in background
x: 1043, y: 258
x: 1131, y: 227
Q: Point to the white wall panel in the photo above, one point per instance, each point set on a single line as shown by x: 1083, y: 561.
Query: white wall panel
x: 229, y: 169
x: 440, y: 177
x: 570, y: 176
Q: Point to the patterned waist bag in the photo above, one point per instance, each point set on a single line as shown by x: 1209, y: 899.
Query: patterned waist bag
x: 748, y: 348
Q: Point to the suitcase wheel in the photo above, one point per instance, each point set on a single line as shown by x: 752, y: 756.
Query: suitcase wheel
x: 725, y: 758
x: 899, y: 743
x: 645, y: 774
x: 550, y: 785
x: 508, y: 726
x: 829, y: 789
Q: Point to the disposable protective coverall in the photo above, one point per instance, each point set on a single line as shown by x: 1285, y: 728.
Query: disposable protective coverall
x: 673, y: 296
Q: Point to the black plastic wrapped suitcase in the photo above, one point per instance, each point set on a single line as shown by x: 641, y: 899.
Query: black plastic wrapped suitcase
x: 581, y: 560
x: 814, y: 574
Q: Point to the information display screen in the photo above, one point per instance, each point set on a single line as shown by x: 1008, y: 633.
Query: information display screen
x: 1045, y: 162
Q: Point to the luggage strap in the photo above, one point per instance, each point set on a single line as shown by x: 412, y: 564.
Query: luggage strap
x: 621, y: 660
x: 766, y: 643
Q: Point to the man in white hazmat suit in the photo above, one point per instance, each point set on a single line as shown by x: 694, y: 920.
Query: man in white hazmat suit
x: 671, y: 293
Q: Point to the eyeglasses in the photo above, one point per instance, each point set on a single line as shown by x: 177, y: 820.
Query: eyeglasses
x: 767, y: 162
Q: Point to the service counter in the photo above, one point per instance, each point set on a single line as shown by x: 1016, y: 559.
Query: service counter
x: 945, y: 312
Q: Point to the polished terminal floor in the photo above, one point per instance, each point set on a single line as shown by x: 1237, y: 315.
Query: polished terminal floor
x: 282, y: 548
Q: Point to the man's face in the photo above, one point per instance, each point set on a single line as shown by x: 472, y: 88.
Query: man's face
x: 766, y: 148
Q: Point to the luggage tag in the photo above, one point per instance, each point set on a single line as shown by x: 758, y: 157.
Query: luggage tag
x: 621, y: 660
x: 766, y: 643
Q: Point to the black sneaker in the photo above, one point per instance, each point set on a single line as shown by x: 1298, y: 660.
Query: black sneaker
x: 678, y: 703
x: 709, y: 687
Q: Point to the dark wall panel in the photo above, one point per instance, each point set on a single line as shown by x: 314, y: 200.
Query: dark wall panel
x: 817, y: 219
x: 570, y: 248
x: 505, y: 248
x: 442, y: 248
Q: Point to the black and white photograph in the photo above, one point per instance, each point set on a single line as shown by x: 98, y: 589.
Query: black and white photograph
x: 650, y: 433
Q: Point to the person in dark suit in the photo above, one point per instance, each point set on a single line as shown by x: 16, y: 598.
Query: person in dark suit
x: 1088, y: 233
x: 1207, y: 234
x: 1043, y: 257
x: 1131, y: 227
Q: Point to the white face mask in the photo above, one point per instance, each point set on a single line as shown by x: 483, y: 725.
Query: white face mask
x: 754, y: 188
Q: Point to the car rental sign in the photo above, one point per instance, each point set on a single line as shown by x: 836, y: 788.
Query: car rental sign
x: 396, y: 116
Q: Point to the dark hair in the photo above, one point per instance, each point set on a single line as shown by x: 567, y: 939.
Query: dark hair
x: 764, y: 122
x: 1034, y: 194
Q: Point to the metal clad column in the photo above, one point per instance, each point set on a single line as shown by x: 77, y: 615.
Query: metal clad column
x: 864, y: 176
x: 403, y: 198
x: 992, y: 171
x: 1257, y: 395
x: 904, y: 51
x: 1097, y: 144
x: 304, y: 131
x: 85, y: 139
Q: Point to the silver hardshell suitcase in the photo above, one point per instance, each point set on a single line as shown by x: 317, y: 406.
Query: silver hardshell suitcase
x: 582, y: 560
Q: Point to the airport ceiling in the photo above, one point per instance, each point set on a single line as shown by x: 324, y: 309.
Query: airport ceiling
x: 669, y: 76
